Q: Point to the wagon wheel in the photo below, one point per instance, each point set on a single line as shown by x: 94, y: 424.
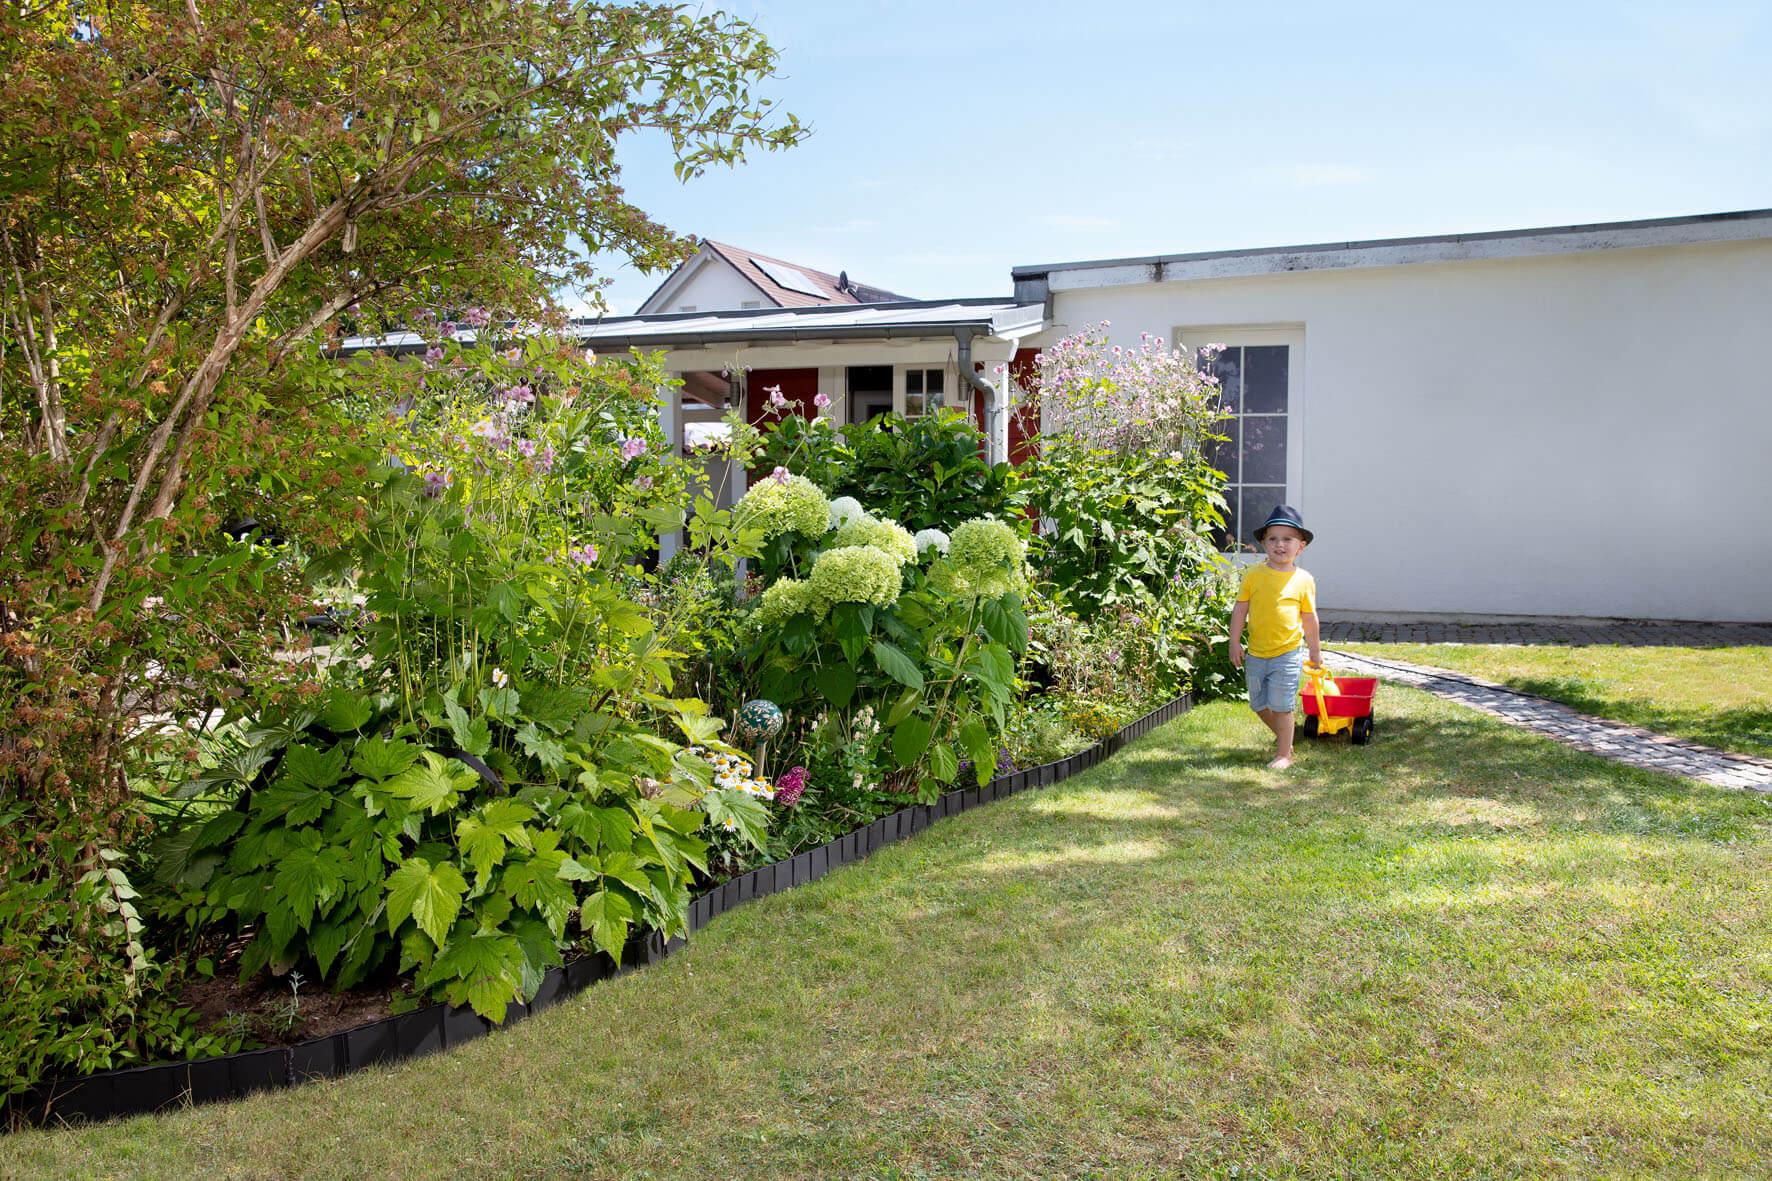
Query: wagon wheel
x: 1362, y: 731
x: 1310, y: 725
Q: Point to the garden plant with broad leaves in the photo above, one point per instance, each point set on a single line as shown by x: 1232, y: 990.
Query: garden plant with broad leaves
x: 196, y: 200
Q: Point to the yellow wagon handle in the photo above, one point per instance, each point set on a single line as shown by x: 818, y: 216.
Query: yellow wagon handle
x: 1316, y: 674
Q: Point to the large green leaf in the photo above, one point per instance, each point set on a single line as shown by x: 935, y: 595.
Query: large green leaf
x: 895, y: 664
x: 307, y: 878
x: 836, y: 682
x: 910, y: 740
x: 382, y: 758
x: 606, y: 916
x: 944, y: 764
x: 312, y: 768
x: 488, y: 970
x: 737, y: 811
x: 431, y: 896
x: 975, y: 736
x: 432, y: 785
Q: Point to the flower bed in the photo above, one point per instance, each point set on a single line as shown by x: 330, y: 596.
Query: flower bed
x: 146, y: 1089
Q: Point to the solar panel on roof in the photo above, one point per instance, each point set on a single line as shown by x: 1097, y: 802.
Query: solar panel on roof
x: 786, y: 276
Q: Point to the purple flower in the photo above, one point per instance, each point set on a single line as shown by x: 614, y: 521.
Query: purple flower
x: 633, y: 448
x: 790, y: 786
x: 780, y: 475
x: 448, y: 329
x: 584, y: 555
x: 822, y: 401
x: 435, y: 483
x: 545, y: 461
x: 477, y: 317
x: 433, y: 354
x: 513, y: 354
x: 526, y: 447
x: 518, y: 393
x: 777, y: 400
x: 493, y: 430
x: 643, y: 483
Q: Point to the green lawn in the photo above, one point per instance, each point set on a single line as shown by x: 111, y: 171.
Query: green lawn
x: 1721, y: 697
x: 1461, y: 951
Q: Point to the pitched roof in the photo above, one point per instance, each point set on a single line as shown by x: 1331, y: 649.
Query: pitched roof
x: 830, y: 289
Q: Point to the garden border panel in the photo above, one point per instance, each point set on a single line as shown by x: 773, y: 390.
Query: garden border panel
x: 372, y: 1043
x: 549, y: 993
x: 462, y: 1024
x: 91, y: 1097
x: 971, y: 798
x: 210, y: 1079
x: 419, y: 1032
x: 259, y: 1070
x: 319, y: 1057
x: 821, y: 861
x: 728, y: 895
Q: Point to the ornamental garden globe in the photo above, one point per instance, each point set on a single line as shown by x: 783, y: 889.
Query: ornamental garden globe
x: 758, y: 722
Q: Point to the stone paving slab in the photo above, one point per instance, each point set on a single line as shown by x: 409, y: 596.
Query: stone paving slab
x: 1550, y: 631
x: 1612, y: 740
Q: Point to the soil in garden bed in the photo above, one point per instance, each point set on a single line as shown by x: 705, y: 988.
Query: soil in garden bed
x: 266, y: 1010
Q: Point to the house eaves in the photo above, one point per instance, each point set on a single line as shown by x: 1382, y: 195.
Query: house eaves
x: 923, y: 319
x: 1039, y: 281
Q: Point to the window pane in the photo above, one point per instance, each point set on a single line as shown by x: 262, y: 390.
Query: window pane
x: 1258, y: 504
x: 1264, y: 379
x: 913, y: 381
x: 914, y: 405
x: 932, y: 381
x: 1228, y: 368
x: 1223, y: 456
x: 1264, y: 449
x: 1225, y: 538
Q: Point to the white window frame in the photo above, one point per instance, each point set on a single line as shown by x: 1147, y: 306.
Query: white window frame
x: 1193, y: 336
x: 901, y: 392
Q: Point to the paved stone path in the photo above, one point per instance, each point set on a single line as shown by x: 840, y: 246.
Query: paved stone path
x: 1612, y: 740
x: 1543, y: 630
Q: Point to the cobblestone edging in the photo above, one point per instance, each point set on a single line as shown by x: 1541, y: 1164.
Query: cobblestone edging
x: 1612, y: 740
x: 170, y: 1085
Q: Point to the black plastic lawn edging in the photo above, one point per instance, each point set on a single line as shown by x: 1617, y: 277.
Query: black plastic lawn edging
x: 170, y: 1085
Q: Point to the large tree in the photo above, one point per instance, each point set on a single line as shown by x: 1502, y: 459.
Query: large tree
x: 193, y: 191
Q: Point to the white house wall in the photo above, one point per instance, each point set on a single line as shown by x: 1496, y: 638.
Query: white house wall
x: 1582, y: 434
x: 713, y: 285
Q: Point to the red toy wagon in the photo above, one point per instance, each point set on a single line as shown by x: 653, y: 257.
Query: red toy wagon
x: 1333, y: 703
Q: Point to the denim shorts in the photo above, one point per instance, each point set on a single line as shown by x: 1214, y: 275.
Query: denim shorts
x: 1273, y: 680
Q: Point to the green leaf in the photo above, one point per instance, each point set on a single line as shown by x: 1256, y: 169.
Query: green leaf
x: 836, y: 683
x: 306, y: 879
x: 944, y: 764
x: 432, y: 786
x: 304, y: 765
x: 490, y: 969
x: 296, y: 803
x: 472, y: 735
x: 382, y: 758
x: 553, y: 707
x: 543, y: 749
x: 975, y: 736
x: 346, y: 712
x: 910, y: 740
x: 901, y: 709
x: 432, y: 897
x: 737, y: 811
x: 606, y: 916
x: 895, y: 664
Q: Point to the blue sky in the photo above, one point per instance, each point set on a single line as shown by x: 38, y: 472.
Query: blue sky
x: 956, y: 139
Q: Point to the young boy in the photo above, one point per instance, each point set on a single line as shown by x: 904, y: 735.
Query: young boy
x: 1279, y: 603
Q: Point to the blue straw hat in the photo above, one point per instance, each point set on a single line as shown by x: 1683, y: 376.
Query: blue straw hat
x: 1284, y: 514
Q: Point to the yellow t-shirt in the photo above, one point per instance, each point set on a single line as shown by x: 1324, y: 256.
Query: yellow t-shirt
x: 1276, y: 599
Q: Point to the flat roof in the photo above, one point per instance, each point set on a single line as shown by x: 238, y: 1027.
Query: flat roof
x: 868, y: 321
x: 1665, y: 231
x: 993, y: 316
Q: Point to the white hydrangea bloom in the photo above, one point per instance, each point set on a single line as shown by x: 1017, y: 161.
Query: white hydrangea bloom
x: 931, y: 537
x: 845, y: 509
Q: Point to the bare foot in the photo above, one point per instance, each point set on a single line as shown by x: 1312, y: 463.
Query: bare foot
x: 1280, y: 764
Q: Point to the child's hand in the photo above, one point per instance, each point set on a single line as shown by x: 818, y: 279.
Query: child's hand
x: 1236, y: 654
